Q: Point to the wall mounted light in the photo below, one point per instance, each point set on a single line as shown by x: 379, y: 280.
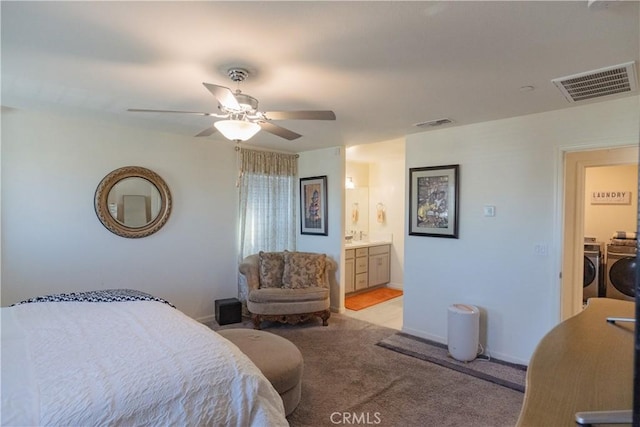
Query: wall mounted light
x: 349, y: 185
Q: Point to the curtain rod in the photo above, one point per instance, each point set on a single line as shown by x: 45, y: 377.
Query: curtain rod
x: 238, y: 149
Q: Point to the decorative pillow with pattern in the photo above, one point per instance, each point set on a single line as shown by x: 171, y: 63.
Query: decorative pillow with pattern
x: 271, y: 269
x: 303, y: 269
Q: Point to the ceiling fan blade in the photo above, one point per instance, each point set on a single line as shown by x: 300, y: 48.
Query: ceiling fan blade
x: 224, y: 96
x: 138, y: 110
x: 279, y: 131
x: 300, y: 115
x: 208, y: 131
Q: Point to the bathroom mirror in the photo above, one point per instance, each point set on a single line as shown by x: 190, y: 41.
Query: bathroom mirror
x: 132, y: 202
x: 357, y: 211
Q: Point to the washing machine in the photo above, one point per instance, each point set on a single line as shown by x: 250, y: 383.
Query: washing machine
x: 592, y: 283
x: 621, y: 272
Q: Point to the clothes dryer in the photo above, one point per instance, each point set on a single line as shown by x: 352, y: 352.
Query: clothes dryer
x: 621, y: 272
x: 592, y: 277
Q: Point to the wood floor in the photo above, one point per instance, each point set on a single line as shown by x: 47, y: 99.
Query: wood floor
x: 388, y: 313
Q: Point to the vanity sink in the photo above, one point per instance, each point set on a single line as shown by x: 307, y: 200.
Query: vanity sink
x: 352, y: 241
x: 361, y: 243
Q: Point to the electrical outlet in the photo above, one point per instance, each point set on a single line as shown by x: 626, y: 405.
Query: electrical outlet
x: 541, y: 249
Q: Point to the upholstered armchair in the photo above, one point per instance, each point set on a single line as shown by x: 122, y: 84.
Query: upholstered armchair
x: 288, y: 287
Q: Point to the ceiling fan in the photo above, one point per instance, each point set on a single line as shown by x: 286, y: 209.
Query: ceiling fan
x: 240, y: 118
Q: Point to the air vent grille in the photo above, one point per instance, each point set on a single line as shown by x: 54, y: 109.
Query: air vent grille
x: 434, y: 123
x: 594, y: 84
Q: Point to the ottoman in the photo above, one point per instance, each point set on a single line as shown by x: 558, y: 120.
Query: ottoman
x: 277, y: 358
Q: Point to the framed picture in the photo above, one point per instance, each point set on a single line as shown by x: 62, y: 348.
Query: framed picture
x: 433, y: 201
x: 313, y: 205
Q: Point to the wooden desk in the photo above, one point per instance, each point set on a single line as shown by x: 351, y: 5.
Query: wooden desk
x: 583, y: 364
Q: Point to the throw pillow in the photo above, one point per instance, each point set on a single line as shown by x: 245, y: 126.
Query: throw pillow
x: 303, y: 269
x: 271, y: 269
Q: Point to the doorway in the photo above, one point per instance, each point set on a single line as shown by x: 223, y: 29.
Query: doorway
x: 576, y: 164
x: 374, y: 205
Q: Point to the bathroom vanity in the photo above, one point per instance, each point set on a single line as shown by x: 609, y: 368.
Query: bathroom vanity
x: 367, y: 264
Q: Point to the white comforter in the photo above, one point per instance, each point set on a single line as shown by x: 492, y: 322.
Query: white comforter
x: 126, y: 363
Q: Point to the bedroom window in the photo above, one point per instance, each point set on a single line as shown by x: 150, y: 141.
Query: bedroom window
x: 267, y: 189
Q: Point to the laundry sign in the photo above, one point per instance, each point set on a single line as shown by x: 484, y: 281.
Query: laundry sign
x: 610, y: 197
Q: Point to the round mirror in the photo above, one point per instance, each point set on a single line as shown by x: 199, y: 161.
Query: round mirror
x: 133, y: 202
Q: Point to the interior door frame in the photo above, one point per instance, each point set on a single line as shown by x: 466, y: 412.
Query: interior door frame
x: 575, y: 161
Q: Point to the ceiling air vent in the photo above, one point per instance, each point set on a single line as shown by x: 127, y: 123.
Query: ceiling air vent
x: 434, y: 123
x: 594, y: 84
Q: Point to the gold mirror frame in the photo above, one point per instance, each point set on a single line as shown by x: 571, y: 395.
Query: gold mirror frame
x: 112, y: 224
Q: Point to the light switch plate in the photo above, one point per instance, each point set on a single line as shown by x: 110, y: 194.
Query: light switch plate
x: 489, y: 210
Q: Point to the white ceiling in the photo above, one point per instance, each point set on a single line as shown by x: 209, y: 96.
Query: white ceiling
x: 381, y: 66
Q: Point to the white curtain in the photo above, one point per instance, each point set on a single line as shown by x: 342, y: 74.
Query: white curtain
x: 267, y: 211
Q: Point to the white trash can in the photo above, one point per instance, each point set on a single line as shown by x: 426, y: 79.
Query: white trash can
x: 463, y: 332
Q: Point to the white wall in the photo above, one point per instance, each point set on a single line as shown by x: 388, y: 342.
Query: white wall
x: 52, y: 240
x: 358, y: 171
x: 507, y: 265
x: 329, y: 162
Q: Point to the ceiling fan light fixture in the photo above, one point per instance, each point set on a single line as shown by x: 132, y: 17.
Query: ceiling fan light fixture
x: 237, y: 130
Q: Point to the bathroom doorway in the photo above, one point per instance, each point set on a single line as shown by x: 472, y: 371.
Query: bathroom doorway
x: 375, y: 203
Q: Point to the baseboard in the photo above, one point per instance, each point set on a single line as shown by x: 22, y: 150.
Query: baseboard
x: 206, y: 319
x: 397, y: 286
x: 421, y: 334
x: 505, y: 357
x: 443, y: 340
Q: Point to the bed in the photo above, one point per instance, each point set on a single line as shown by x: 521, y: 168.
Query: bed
x: 122, y: 357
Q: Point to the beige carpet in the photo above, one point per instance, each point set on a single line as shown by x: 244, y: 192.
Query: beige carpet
x: 348, y: 377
